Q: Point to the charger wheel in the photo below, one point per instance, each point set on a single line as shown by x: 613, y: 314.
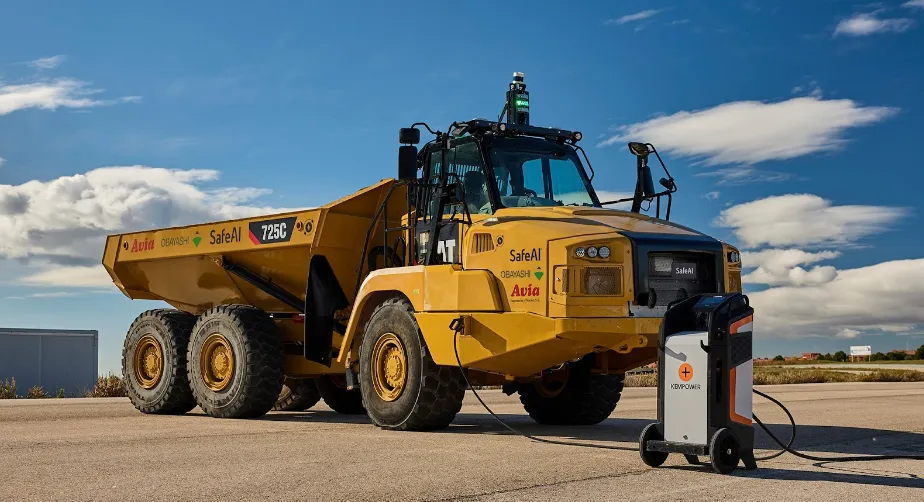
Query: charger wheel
x: 724, y: 451
x: 651, y: 458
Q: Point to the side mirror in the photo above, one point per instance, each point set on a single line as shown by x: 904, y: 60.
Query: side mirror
x: 409, y: 136
x: 647, y: 183
x: 407, y: 161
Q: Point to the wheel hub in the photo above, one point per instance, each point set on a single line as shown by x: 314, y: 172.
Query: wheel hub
x: 149, y: 362
x: 389, y: 367
x: 553, y: 382
x: 216, y: 362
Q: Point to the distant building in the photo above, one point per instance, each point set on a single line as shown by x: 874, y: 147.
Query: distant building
x: 811, y: 356
x: 904, y: 352
x: 51, y: 358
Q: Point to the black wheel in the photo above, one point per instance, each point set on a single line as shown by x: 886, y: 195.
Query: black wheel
x: 403, y: 389
x: 235, y: 362
x: 297, y: 394
x: 154, y: 362
x: 651, y: 458
x: 334, y: 391
x: 572, y: 395
x: 724, y: 451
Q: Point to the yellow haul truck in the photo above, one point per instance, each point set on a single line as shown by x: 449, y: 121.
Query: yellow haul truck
x: 490, y: 259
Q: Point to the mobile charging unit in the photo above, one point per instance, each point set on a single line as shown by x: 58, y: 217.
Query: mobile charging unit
x: 705, y: 379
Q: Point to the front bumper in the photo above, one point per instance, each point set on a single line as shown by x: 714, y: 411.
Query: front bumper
x: 523, y: 344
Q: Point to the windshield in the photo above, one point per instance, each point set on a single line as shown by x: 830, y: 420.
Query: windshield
x: 536, y: 172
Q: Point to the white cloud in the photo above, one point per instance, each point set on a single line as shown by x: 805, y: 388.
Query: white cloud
x: 914, y: 4
x: 51, y: 95
x: 89, y: 276
x: 59, y: 294
x: 711, y: 195
x: 48, y: 63
x: 747, y: 132
x: 860, y: 25
x: 57, y: 228
x: 638, y: 16
x: 847, y: 333
x: 739, y: 175
x: 2, y: 160
x: 678, y: 22
x: 804, y: 220
x: 606, y: 196
x: 780, y: 267
x: 873, y: 297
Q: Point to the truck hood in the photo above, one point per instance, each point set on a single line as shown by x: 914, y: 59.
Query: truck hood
x: 561, y: 221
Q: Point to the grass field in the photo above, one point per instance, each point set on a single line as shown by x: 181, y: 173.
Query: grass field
x: 799, y: 362
x: 777, y: 376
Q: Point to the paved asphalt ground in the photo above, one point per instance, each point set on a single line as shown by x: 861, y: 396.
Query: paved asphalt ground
x: 102, y: 449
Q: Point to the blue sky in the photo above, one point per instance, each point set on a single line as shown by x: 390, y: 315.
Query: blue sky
x: 791, y: 127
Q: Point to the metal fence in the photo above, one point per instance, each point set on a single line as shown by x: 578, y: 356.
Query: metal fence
x: 53, y: 359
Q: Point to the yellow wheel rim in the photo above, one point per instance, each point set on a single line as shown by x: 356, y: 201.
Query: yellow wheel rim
x: 553, y: 382
x: 216, y: 362
x: 149, y: 361
x: 389, y: 367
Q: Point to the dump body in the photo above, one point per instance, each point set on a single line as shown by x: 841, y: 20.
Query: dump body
x: 183, y: 266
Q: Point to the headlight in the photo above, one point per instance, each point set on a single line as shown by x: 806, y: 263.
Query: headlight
x: 663, y: 264
x: 592, y: 252
x: 604, y: 252
x: 734, y: 257
x: 579, y: 252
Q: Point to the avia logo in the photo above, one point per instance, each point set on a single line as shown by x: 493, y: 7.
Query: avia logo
x: 538, y: 274
x: 527, y: 290
x: 197, y: 239
x: 142, y: 245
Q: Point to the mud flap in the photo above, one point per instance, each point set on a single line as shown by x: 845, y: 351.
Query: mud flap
x: 323, y: 298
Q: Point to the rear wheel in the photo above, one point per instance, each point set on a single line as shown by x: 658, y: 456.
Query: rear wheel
x: 402, y: 388
x: 154, y: 362
x: 235, y: 362
x: 572, y: 395
x: 651, y: 458
x: 297, y: 394
x: 724, y: 451
x: 334, y: 391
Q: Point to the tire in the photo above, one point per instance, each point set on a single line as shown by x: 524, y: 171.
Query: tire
x: 651, y: 458
x: 583, y: 399
x: 430, y: 395
x: 249, y: 384
x: 170, y: 394
x: 724, y: 451
x: 298, y: 394
x: 333, y: 390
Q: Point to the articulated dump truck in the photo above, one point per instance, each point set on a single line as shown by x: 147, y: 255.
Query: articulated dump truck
x: 489, y: 260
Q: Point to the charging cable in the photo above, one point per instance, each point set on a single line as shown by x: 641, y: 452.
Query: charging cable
x: 787, y: 448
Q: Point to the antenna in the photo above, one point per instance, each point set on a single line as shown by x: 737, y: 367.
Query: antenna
x: 517, y: 107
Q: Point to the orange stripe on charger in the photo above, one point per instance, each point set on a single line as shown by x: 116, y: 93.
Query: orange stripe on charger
x: 740, y: 322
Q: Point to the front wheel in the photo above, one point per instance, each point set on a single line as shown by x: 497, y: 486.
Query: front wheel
x: 572, y: 395
x: 402, y: 388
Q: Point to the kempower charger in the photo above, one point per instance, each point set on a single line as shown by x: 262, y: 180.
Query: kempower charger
x: 705, y: 379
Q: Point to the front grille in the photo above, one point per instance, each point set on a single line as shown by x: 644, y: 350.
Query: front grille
x: 604, y: 281
x: 482, y: 242
x: 688, y: 274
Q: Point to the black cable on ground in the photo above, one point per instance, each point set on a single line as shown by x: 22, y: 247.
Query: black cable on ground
x: 787, y: 447
x: 792, y: 422
x: 455, y: 346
